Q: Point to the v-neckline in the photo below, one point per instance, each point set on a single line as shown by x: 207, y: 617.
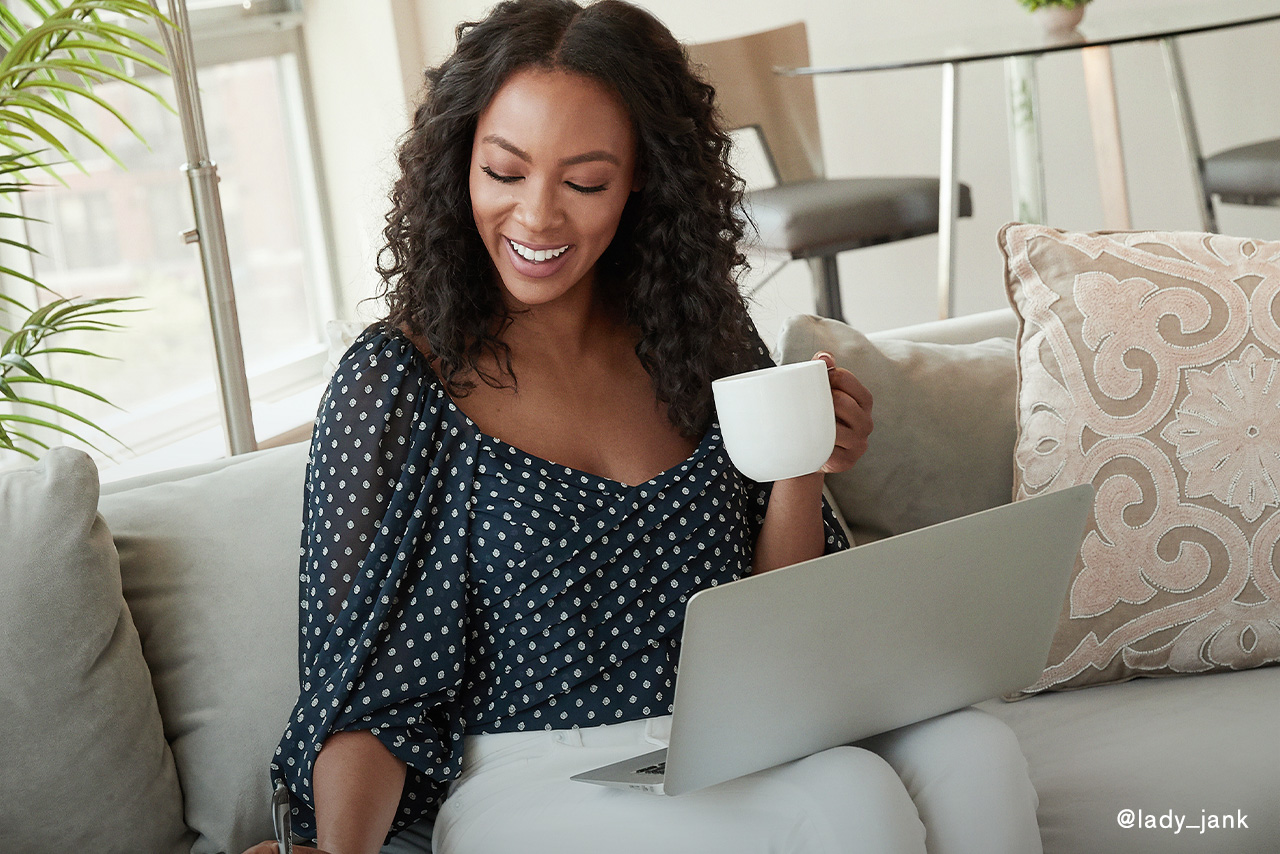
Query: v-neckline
x: 602, y: 481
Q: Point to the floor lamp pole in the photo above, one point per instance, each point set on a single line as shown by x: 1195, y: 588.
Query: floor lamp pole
x: 210, y: 234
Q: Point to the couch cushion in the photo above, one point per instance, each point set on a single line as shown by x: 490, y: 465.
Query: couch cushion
x: 85, y: 764
x: 1149, y: 366
x: 932, y: 455
x: 1156, y: 745
x: 210, y: 569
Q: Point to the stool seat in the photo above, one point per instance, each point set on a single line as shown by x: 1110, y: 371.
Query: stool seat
x: 822, y: 217
x: 1247, y: 174
x: 807, y: 215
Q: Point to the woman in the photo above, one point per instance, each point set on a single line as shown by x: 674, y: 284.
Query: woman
x: 516, y: 482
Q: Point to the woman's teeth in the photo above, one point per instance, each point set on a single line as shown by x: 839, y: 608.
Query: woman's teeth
x: 537, y: 254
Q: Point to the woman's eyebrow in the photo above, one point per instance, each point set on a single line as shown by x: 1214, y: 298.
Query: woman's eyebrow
x: 508, y: 146
x: 590, y: 157
x: 586, y: 157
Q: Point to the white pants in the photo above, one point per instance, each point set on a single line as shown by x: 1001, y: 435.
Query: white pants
x: 956, y: 784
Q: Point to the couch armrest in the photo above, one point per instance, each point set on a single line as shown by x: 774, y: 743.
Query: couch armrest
x: 174, y: 475
x: 967, y: 329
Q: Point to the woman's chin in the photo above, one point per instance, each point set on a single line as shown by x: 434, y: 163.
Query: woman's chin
x: 529, y: 292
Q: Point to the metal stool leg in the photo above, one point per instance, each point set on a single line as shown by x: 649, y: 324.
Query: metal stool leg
x: 1190, y: 135
x: 826, y: 287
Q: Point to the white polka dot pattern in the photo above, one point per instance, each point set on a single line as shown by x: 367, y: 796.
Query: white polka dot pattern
x: 450, y: 583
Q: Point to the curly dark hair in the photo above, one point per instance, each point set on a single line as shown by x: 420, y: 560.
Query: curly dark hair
x: 673, y: 263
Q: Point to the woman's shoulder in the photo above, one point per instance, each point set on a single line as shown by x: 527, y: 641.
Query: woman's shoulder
x: 384, y: 362
x: 383, y: 345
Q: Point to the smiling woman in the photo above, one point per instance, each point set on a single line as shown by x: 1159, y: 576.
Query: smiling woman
x: 671, y: 265
x: 546, y: 216
x: 547, y: 199
x: 516, y: 483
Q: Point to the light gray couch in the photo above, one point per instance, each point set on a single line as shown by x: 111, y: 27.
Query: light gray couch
x: 148, y: 642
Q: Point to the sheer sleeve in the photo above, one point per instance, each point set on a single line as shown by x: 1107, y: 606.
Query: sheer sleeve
x: 834, y: 538
x: 382, y: 575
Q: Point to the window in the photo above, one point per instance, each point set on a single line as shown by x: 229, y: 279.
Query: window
x: 119, y: 233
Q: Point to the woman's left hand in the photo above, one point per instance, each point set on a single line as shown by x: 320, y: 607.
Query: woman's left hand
x: 852, y: 403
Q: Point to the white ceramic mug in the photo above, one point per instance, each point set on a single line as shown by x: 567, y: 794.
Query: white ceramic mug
x: 777, y: 422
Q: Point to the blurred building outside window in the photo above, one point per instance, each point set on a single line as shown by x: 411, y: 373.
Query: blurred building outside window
x: 112, y: 232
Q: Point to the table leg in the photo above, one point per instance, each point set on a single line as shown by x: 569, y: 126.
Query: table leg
x: 1022, y: 103
x: 948, y: 191
x: 1104, y: 118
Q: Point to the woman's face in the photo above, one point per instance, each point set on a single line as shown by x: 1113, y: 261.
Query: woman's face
x: 552, y: 165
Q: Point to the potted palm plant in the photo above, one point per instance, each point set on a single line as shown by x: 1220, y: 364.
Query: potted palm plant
x: 55, y: 53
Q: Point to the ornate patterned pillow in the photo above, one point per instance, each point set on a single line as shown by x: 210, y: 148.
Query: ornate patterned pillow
x: 1149, y: 366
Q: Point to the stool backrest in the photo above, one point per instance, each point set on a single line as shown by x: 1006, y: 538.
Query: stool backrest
x: 750, y: 94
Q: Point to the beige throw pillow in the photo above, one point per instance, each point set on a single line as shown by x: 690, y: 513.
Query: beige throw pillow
x: 1149, y: 366
x: 942, y: 443
x: 83, y: 762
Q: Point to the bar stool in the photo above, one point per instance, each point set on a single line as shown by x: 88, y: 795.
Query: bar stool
x: 806, y: 215
x: 1244, y: 175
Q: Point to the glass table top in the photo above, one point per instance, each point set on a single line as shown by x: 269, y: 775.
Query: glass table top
x: 1101, y: 26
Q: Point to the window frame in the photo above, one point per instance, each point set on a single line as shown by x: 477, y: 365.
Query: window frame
x: 228, y: 33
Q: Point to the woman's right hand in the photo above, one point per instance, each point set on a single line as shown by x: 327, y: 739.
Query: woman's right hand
x: 274, y: 848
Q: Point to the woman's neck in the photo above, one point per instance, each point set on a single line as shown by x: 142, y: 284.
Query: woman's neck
x: 576, y: 327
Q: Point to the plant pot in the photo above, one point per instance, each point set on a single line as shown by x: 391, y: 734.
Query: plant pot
x: 1057, y: 20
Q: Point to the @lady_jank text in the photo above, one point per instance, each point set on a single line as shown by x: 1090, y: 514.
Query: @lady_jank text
x: 1177, y: 823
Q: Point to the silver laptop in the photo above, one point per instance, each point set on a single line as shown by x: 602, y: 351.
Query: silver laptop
x: 863, y: 641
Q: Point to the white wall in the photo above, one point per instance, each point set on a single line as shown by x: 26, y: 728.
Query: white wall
x: 889, y: 123
x: 361, y: 92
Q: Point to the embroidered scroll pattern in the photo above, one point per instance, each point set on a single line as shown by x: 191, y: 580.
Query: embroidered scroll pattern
x: 1149, y: 366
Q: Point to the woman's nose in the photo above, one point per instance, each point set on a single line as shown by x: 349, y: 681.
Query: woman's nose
x: 539, y: 208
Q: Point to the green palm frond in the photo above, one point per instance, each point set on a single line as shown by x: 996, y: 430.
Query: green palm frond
x: 69, y: 49
x: 30, y: 342
x: 55, y: 52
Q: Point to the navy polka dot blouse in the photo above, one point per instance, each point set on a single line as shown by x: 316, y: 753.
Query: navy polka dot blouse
x: 453, y: 584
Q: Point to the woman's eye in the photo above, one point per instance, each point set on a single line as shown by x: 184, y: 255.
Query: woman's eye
x: 501, y: 179
x: 581, y: 189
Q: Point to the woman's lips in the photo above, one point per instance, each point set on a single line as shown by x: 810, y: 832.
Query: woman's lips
x: 538, y: 252
x: 537, y: 269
